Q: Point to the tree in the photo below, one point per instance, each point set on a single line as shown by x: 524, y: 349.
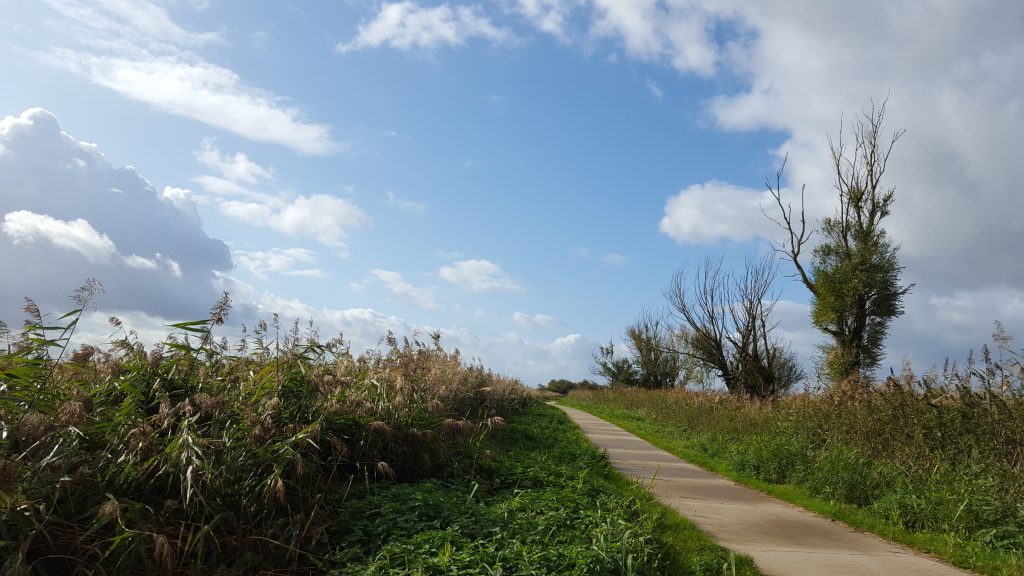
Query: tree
x: 654, y: 356
x: 854, y: 275
x: 726, y: 324
x: 652, y: 361
x: 618, y: 371
x: 563, y: 386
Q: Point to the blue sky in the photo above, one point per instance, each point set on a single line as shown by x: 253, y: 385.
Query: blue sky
x: 524, y: 175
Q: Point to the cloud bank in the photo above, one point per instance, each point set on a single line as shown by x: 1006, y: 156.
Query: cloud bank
x: 73, y: 216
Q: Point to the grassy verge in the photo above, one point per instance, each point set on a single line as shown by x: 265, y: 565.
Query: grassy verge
x: 763, y: 448
x: 545, y: 502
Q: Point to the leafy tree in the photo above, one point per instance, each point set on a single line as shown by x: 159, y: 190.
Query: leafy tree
x: 617, y: 370
x: 563, y: 386
x: 652, y: 361
x: 854, y: 275
x: 726, y: 324
x: 654, y: 356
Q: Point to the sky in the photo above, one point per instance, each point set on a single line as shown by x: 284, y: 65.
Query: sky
x: 525, y: 176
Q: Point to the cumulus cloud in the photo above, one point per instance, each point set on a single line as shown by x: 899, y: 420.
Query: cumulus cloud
x: 715, y: 211
x: 280, y: 261
x: 547, y: 15
x: 321, y: 217
x: 237, y: 168
x: 183, y: 199
x: 398, y: 286
x: 67, y: 215
x: 408, y: 26
x: 23, y: 226
x: 136, y: 50
x: 478, y: 276
x: 246, y: 191
x: 535, y: 321
x: 676, y: 32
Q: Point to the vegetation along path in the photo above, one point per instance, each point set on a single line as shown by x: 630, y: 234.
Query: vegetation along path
x: 782, y: 539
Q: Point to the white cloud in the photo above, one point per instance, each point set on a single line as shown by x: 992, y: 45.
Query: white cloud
x: 136, y: 50
x: 281, y: 261
x: 68, y: 215
x: 708, y: 213
x: 615, y: 259
x: 655, y: 90
x: 321, y: 217
x: 676, y: 32
x: 533, y: 361
x: 23, y: 226
x: 183, y: 199
x: 237, y: 168
x: 548, y: 15
x: 535, y: 321
x: 140, y: 21
x: 201, y: 91
x: 448, y: 255
x: 397, y: 285
x: 405, y: 205
x: 478, y: 276
x: 408, y: 26
x: 247, y: 192
x: 226, y: 188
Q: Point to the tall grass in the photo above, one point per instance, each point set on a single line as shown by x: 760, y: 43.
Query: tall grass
x: 200, y: 455
x: 941, y: 454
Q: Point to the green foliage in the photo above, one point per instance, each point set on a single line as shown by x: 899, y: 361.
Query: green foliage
x: 653, y: 362
x: 854, y: 276
x: 657, y: 363
x: 616, y: 370
x: 563, y: 386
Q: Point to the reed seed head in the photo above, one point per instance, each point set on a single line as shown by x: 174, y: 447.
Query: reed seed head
x: 71, y: 413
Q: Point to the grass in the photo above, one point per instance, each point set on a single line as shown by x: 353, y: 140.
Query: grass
x: 936, y: 469
x: 547, y: 503
x: 283, y: 453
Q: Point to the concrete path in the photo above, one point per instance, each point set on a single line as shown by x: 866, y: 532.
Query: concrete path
x: 782, y: 539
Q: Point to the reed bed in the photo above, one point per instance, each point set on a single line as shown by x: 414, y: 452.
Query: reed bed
x: 199, y: 455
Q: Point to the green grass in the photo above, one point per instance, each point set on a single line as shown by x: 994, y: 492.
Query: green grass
x: 760, y: 446
x: 548, y: 503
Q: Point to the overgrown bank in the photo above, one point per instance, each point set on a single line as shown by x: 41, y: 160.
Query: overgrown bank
x: 198, y: 455
x: 282, y: 453
x: 938, y: 466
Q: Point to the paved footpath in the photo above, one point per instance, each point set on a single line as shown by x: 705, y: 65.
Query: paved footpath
x: 782, y: 539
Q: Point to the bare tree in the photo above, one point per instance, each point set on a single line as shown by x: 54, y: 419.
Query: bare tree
x: 854, y: 272
x: 726, y: 324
